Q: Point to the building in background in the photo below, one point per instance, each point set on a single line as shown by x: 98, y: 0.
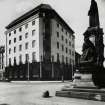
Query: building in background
x: 77, y: 59
x: 40, y: 35
x: 2, y: 68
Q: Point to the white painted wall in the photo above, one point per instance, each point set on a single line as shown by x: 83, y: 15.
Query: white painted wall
x: 55, y: 39
x: 39, y: 27
x: 23, y: 41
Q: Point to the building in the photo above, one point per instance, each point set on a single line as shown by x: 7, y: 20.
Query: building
x: 77, y: 58
x: 40, y: 35
x: 2, y: 68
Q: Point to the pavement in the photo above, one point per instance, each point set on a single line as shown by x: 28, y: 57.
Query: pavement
x: 40, y: 81
x: 30, y: 93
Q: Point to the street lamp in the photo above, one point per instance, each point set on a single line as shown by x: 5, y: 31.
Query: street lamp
x: 41, y: 67
x: 72, y: 70
x: 2, y: 50
x: 28, y: 70
x: 52, y: 68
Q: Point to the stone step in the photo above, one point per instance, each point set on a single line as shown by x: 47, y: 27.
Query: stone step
x: 90, y: 94
x: 85, y: 90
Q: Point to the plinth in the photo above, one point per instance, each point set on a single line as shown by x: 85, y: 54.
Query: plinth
x: 82, y: 87
x: 89, y: 80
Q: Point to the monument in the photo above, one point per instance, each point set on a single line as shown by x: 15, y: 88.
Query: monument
x: 89, y: 78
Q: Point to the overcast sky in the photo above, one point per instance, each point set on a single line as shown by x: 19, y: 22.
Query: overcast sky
x: 74, y: 12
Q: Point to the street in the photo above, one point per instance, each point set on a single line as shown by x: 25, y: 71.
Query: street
x: 30, y: 93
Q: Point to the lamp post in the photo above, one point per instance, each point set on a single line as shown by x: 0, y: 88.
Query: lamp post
x: 72, y: 70
x: 41, y: 67
x: 52, y: 66
x: 28, y: 70
x: 2, y: 50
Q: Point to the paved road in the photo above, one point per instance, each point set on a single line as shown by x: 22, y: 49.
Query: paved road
x: 31, y: 94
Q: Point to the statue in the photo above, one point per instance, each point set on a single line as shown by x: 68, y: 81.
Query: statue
x: 89, y: 52
x: 93, y: 14
x: 89, y: 77
x: 91, y: 61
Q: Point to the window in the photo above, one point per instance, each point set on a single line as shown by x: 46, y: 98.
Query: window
x: 33, y: 43
x: 69, y: 51
x: 26, y: 26
x: 70, y: 61
x: 20, y: 58
x: 27, y: 57
x: 72, y: 38
x: 20, y: 37
x: 66, y: 32
x: 66, y: 60
x: 9, y: 41
x: 69, y: 36
x: 14, y: 49
x: 72, y: 45
x: 33, y: 56
x: 26, y: 45
x: 20, y: 29
x: 9, y: 61
x: 26, y: 35
x: 33, y: 22
x: 58, y: 45
x: 66, y: 41
x: 72, y: 53
x: 58, y: 25
x: 62, y: 48
x: 33, y: 32
x: 57, y: 56
x: 14, y: 31
x: 62, y: 38
x: 58, y: 34
x: 9, y: 50
x: 14, y: 40
x: 62, y: 58
x: 69, y: 43
x: 9, y: 34
x: 66, y: 50
x: 14, y: 60
x: 20, y: 47
x: 62, y: 29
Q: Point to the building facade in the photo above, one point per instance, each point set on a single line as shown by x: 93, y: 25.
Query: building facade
x: 40, y: 35
x: 2, y: 67
x: 77, y: 58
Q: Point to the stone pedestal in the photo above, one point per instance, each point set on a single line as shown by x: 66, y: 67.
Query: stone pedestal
x: 90, y: 78
x: 83, y: 80
x: 82, y: 87
x: 83, y: 93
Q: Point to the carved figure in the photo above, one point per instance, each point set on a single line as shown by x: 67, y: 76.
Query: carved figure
x: 93, y: 14
x: 89, y: 52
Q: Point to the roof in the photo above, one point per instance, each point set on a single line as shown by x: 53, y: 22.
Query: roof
x: 33, y: 12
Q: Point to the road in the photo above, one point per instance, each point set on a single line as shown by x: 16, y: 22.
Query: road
x: 31, y: 94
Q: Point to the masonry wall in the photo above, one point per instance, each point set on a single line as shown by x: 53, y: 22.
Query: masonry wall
x: 68, y: 42
x: 24, y: 40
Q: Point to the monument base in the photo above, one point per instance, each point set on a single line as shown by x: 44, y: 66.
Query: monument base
x: 82, y: 87
x: 83, y: 80
x: 82, y: 93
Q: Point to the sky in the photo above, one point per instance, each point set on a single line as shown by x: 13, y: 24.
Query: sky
x: 74, y: 12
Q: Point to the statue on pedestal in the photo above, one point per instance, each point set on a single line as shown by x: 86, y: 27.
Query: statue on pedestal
x: 91, y: 61
x: 89, y: 78
x: 93, y: 14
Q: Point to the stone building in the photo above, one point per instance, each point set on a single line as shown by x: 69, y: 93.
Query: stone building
x: 2, y: 68
x: 39, y: 35
x: 77, y: 58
